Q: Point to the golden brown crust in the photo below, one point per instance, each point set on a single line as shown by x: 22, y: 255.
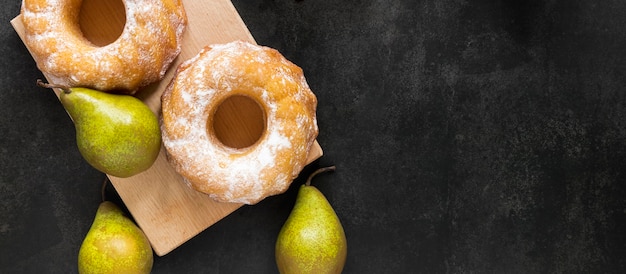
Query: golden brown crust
x: 142, y: 54
x: 227, y: 174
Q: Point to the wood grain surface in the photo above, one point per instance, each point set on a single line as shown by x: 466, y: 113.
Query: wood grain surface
x: 167, y: 210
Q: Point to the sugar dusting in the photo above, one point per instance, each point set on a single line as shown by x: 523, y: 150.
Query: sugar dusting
x: 140, y: 55
x: 228, y: 174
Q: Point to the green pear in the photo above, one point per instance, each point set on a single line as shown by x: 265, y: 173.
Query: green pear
x: 114, y: 244
x: 312, y: 239
x: 116, y: 134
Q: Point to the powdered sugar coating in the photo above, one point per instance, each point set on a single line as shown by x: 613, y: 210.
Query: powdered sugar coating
x: 229, y: 174
x: 149, y: 42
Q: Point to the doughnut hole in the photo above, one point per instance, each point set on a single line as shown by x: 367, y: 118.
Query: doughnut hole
x: 239, y: 122
x: 102, y: 22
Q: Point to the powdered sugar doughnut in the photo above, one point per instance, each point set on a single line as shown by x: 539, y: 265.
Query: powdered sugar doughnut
x: 242, y: 175
x: 142, y: 54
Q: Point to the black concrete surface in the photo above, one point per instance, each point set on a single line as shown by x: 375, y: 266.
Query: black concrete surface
x: 469, y: 137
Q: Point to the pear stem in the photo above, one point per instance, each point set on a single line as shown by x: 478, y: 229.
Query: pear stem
x: 318, y: 171
x: 103, y: 190
x: 65, y: 89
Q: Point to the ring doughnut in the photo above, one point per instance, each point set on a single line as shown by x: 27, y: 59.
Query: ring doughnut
x: 228, y: 174
x: 149, y: 42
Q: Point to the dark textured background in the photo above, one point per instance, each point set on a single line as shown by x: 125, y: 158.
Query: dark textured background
x: 470, y: 137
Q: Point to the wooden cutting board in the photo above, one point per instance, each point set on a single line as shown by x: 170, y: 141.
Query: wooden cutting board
x: 167, y: 210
